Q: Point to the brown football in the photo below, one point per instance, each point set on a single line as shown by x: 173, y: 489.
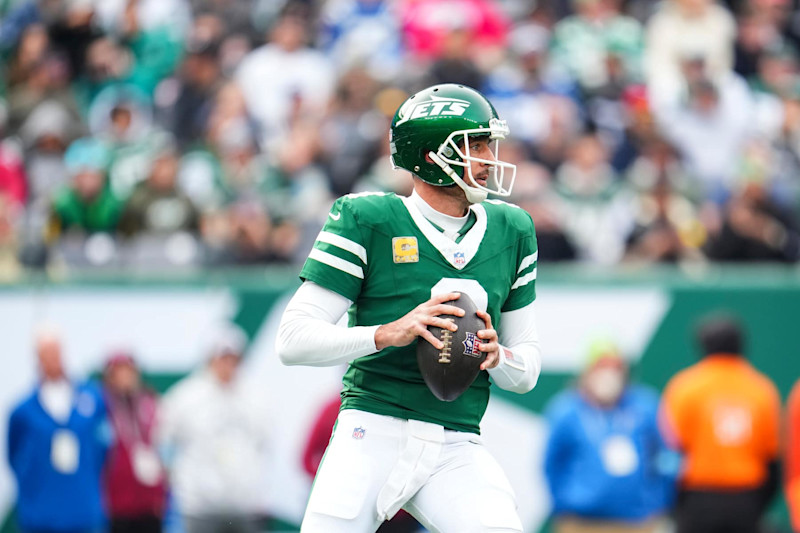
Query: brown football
x: 450, y: 371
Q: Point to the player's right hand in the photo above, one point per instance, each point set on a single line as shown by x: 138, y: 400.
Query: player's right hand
x: 405, y: 329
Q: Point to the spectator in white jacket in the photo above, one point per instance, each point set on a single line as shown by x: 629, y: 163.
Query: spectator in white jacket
x: 284, y: 80
x: 682, y: 28
x: 722, y: 111
x: 214, y: 437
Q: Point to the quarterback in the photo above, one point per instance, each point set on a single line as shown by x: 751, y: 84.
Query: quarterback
x: 392, y: 263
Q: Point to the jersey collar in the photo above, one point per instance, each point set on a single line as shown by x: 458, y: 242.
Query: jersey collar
x: 458, y: 254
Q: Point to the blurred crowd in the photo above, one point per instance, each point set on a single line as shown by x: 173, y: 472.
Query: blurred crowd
x: 190, y: 133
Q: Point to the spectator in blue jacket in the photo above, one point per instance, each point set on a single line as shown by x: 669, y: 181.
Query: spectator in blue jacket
x: 606, y: 465
x: 57, y: 439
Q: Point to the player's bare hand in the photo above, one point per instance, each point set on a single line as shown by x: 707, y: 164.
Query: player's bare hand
x: 405, y: 329
x: 489, y: 342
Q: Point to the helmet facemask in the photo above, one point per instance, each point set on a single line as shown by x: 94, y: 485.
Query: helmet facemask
x: 451, y: 154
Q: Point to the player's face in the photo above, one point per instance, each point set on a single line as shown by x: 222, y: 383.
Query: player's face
x: 480, y: 148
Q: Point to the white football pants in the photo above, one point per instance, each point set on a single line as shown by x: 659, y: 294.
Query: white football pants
x: 375, y: 465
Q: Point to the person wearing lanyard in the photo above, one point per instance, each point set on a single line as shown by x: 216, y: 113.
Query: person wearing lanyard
x: 606, y: 465
x: 135, y: 477
x: 57, y: 441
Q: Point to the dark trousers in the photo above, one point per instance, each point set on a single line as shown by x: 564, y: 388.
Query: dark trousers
x: 719, y: 512
x: 401, y: 523
x: 138, y: 524
x: 221, y: 523
x: 61, y: 530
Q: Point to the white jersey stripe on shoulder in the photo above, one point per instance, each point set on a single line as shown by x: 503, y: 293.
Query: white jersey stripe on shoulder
x: 366, y: 193
x: 528, y: 261
x: 524, y: 280
x: 336, y: 262
x: 501, y: 202
x: 343, y: 243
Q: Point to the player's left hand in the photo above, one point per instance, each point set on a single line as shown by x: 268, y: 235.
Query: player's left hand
x: 489, y: 342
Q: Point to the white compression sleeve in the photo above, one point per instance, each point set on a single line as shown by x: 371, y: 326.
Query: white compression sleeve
x: 309, y: 335
x: 520, y: 357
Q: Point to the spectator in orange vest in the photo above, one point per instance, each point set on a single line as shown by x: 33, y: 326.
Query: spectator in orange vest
x: 724, y: 416
x: 793, y: 458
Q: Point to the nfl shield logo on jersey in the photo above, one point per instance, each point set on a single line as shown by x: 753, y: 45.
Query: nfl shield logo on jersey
x: 471, y: 344
x: 459, y: 259
x: 358, y: 433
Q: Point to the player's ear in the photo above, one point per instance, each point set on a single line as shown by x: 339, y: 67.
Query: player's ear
x: 428, y: 157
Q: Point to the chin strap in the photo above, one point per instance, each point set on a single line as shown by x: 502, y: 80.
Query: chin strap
x: 474, y: 195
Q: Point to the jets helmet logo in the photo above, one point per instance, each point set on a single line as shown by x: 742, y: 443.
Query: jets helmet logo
x: 436, y: 106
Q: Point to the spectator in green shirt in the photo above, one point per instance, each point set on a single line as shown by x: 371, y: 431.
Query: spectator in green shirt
x: 85, y: 204
x: 597, y: 40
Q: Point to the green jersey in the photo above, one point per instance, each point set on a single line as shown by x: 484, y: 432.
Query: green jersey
x: 380, y: 252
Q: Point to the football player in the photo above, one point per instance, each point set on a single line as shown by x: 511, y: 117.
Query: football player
x: 392, y: 263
